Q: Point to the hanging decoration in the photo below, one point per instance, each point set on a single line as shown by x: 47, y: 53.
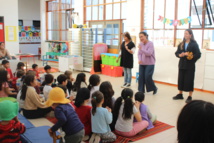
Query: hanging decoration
x: 175, y: 22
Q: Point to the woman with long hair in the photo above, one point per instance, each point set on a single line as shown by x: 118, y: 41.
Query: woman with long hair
x: 127, y: 50
x: 188, y: 52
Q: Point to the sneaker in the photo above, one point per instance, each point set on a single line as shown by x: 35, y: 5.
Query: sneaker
x: 155, y: 91
x: 97, y: 139
x: 178, y: 96
x: 189, y: 99
x: 127, y: 85
x: 124, y: 85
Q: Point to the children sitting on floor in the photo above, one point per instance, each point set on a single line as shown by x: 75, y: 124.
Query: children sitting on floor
x: 125, y: 111
x: 94, y: 82
x: 66, y: 116
x: 20, y: 66
x: 144, y: 110
x: 35, y: 68
x: 100, y: 119
x: 70, y: 80
x: 4, y: 86
x: 10, y: 127
x: 19, y: 74
x: 62, y: 80
x: 82, y: 109
x: 47, y: 69
x: 79, y: 83
x: 49, y: 79
x: 6, y: 65
x: 34, y: 106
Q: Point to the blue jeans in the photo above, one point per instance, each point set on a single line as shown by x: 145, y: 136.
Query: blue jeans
x: 127, y: 75
x: 145, y: 78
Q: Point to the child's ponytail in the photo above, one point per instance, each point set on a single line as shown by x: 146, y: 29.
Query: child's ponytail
x: 97, y: 97
x: 27, y: 82
x: 127, y: 95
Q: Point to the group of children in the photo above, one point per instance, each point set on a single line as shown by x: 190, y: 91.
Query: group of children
x: 82, y: 110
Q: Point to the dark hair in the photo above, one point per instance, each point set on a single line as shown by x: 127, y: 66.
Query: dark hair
x: 34, y: 66
x: 184, y: 40
x: 126, y: 34
x: 63, y: 87
x: 94, y: 80
x: 61, y: 78
x: 82, y: 95
x: 80, y: 78
x: 19, y: 65
x: 47, y: 67
x: 49, y: 78
x: 20, y: 73
x: 4, y: 62
x: 195, y: 123
x: 108, y: 92
x: 145, y: 34
x: 139, y: 96
x: 31, y: 72
x: 96, y: 98
x: 126, y: 95
x: 68, y: 74
x: 27, y: 82
x: 3, y: 77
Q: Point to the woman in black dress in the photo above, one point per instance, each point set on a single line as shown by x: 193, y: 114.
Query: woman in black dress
x: 127, y: 50
x: 188, y: 52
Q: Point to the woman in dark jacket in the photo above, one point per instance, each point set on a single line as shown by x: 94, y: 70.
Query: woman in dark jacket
x: 188, y: 52
x: 126, y: 53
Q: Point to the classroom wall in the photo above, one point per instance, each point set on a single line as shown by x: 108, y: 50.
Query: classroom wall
x: 29, y: 10
x: 9, y: 9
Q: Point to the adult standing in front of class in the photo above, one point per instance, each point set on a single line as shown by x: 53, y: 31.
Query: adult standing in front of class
x: 188, y: 52
x: 127, y: 50
x: 146, y: 59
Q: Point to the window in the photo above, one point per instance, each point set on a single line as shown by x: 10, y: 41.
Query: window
x: 59, y: 19
x: 164, y: 34
x: 99, y: 10
x: 20, y: 22
x: 36, y: 23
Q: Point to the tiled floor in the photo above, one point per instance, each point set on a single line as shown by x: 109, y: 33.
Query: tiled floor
x: 162, y: 105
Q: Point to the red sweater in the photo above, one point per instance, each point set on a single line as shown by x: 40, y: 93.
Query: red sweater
x: 84, y: 113
x: 10, y: 133
x: 10, y: 73
x: 37, y: 73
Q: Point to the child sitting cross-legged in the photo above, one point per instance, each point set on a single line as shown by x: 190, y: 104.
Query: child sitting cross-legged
x: 144, y: 110
x: 67, y: 118
x: 49, y: 79
x: 101, y: 118
x: 10, y: 127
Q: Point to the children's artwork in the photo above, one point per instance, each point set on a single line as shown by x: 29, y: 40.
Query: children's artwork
x: 206, y: 44
x: 175, y: 22
x: 28, y: 34
x: 58, y: 47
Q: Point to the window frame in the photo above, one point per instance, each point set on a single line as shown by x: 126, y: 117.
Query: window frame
x: 175, y: 28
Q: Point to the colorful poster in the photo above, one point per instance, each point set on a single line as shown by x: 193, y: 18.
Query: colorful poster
x: 11, y: 33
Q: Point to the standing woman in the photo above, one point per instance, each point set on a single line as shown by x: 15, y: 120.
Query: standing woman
x: 127, y: 50
x: 146, y: 58
x: 188, y: 52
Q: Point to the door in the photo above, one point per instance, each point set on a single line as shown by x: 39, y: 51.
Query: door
x: 1, y: 29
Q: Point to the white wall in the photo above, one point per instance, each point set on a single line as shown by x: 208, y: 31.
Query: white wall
x: 29, y: 10
x: 9, y: 9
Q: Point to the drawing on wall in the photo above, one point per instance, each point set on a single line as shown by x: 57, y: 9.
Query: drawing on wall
x: 28, y: 34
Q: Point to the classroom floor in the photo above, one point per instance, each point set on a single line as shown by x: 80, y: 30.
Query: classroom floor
x: 161, y: 104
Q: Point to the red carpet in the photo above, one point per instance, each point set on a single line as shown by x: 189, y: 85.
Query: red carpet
x: 159, y: 127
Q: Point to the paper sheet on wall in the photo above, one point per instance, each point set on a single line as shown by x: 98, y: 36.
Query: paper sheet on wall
x: 11, y: 33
